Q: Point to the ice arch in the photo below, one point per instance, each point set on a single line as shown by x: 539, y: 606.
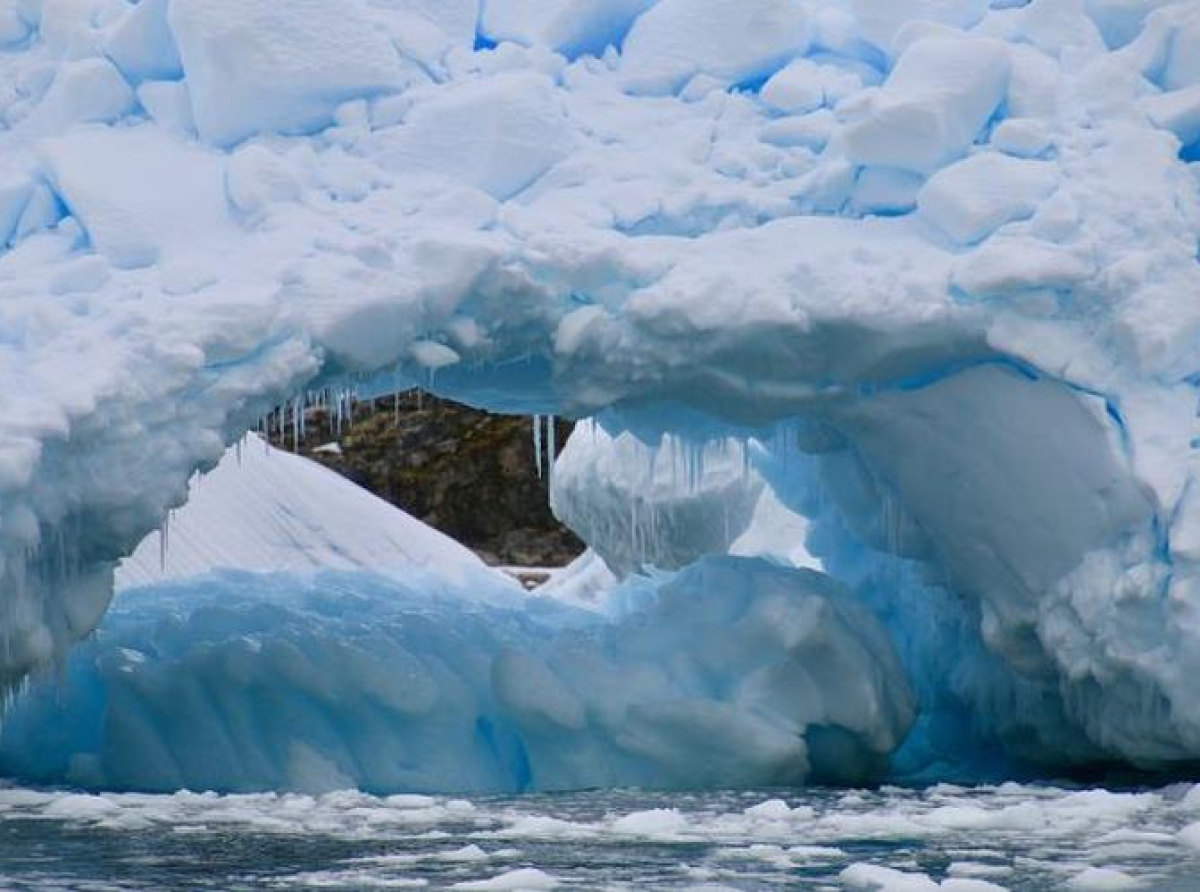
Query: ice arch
x: 915, y: 216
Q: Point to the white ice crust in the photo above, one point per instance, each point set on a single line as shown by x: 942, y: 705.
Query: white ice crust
x: 957, y: 240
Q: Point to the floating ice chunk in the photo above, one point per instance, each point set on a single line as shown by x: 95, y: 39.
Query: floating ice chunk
x: 87, y: 91
x: 882, y: 20
x: 572, y: 27
x: 498, y: 134
x: 1021, y: 137
x: 885, y: 879
x: 971, y: 199
x: 736, y: 41
x: 142, y: 45
x: 169, y: 104
x: 771, y: 809
x: 932, y: 106
x: 513, y: 881
x: 1178, y: 111
x: 1102, y: 879
x: 1190, y: 835
x: 254, y: 66
x: 654, y: 823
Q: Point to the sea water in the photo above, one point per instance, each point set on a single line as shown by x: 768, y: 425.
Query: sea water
x: 1012, y: 836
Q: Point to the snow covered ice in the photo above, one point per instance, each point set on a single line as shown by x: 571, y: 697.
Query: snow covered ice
x: 927, y: 270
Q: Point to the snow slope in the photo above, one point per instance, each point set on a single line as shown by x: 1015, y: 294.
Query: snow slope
x: 261, y: 510
x: 954, y: 244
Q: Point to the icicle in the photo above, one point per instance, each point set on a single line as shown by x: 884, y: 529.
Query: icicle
x: 537, y: 444
x: 551, y: 446
x: 164, y: 533
x: 238, y: 451
x: 296, y: 413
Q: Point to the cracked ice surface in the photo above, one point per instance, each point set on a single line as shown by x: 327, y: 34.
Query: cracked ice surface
x: 959, y: 239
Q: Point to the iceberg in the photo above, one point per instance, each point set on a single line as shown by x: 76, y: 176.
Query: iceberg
x: 355, y: 647
x: 933, y: 266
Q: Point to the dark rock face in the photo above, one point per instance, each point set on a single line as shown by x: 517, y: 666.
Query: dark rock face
x: 467, y: 473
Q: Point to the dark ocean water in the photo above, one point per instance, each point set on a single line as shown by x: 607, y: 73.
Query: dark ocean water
x: 1013, y: 837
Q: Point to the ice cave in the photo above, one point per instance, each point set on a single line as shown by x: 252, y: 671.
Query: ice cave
x: 881, y: 322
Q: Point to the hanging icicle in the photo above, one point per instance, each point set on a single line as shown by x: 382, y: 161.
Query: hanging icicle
x: 551, y: 447
x: 164, y: 535
x: 537, y: 443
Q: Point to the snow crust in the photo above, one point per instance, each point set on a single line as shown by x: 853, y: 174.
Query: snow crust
x: 949, y: 247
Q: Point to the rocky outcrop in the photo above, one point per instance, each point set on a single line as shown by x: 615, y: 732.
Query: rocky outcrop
x: 467, y: 473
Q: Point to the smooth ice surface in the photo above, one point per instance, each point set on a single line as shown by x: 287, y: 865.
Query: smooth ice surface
x: 947, y: 229
x: 957, y: 839
x: 734, y: 673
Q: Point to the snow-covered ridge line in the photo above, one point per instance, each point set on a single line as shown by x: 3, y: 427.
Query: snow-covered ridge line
x: 754, y: 208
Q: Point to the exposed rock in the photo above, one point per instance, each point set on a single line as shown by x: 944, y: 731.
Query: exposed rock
x: 467, y: 473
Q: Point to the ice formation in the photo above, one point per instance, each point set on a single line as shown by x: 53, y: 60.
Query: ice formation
x: 438, y: 674
x: 939, y: 256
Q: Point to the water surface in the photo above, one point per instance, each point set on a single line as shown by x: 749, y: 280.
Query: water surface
x: 1012, y: 836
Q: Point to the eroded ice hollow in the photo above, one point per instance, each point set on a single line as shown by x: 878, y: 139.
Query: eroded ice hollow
x: 927, y: 271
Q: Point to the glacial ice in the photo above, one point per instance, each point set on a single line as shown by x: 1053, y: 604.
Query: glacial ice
x: 367, y: 650
x: 946, y: 250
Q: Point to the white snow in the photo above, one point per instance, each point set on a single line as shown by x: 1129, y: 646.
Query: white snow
x: 264, y: 510
x: 253, y: 66
x: 970, y: 200
x: 731, y: 40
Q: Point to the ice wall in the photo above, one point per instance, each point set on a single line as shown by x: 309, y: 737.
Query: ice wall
x: 865, y: 214
x: 733, y: 673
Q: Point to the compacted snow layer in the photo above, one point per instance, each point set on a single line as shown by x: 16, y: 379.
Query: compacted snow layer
x: 952, y: 243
